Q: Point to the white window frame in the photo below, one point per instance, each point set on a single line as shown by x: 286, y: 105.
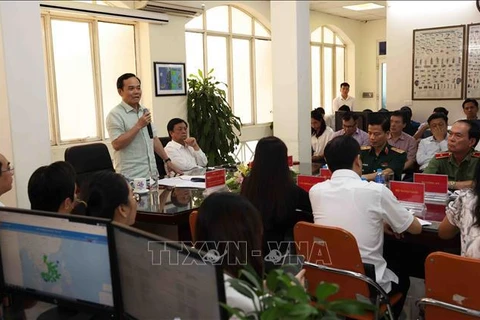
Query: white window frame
x: 323, y: 45
x: 46, y: 17
x: 230, y: 36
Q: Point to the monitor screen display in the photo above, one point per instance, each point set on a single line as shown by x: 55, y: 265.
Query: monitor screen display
x: 157, y: 278
x: 56, y: 258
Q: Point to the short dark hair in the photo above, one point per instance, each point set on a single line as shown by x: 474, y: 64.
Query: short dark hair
x: 401, y: 114
x: 103, y: 192
x: 474, y: 101
x: 383, y: 110
x: 441, y: 109
x: 124, y: 77
x: 49, y: 186
x: 341, y: 152
x: 379, y: 120
x: 171, y: 124
x: 347, y: 116
x: 437, y: 115
x: 367, y: 110
x: 474, y: 131
x: 228, y: 216
x: 344, y: 84
x: 344, y: 108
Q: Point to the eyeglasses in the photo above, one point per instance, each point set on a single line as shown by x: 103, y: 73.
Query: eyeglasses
x: 9, y: 168
x: 136, y: 197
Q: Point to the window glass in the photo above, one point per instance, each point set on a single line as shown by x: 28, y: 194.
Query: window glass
x: 217, y: 19
x: 316, y: 94
x: 195, y: 23
x: 328, y: 82
x: 242, y: 102
x: 194, y: 44
x: 217, y: 57
x: 327, y: 35
x: 241, y: 23
x: 263, y: 80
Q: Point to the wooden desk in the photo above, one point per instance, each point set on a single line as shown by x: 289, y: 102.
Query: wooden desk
x: 412, y: 250
x: 166, y: 212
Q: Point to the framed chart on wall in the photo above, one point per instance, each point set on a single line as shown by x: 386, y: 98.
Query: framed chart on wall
x: 438, y: 63
x: 472, y: 89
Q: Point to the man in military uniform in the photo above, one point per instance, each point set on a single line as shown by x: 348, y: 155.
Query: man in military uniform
x: 460, y: 162
x: 379, y: 154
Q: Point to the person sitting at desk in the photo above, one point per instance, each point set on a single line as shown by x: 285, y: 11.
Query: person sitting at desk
x: 231, y: 225
x: 463, y: 215
x: 271, y: 189
x: 108, y: 195
x: 402, y: 140
x: 460, y: 162
x: 379, y: 154
x: 438, y: 142
x: 52, y: 188
x: 350, y: 128
x: 364, y: 209
x: 321, y: 134
x: 183, y: 150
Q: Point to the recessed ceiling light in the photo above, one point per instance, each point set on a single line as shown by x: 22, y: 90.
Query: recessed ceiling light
x: 364, y: 6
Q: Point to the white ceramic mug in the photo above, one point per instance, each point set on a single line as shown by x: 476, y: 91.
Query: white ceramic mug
x: 140, y: 184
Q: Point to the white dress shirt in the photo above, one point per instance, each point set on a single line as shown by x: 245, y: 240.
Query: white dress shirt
x: 318, y: 144
x: 185, y: 157
x: 339, y: 101
x: 427, y: 149
x: 361, y: 207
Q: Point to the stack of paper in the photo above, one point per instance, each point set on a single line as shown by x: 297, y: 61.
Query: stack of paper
x: 418, y: 209
x: 182, y: 182
x: 436, y: 198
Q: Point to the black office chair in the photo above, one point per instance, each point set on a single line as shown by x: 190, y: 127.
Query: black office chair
x: 88, y: 159
x: 160, y: 165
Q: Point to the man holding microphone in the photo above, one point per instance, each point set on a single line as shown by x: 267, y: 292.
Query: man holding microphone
x: 133, y: 137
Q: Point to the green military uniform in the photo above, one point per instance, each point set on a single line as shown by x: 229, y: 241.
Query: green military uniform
x: 389, y: 157
x: 444, y: 163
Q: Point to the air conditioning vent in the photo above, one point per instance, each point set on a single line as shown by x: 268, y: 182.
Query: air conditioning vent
x: 173, y: 8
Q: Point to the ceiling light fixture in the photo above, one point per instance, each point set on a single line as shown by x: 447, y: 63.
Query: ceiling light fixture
x: 364, y: 6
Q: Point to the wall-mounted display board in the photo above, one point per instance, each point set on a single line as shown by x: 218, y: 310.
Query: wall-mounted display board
x: 438, y: 63
x: 473, y: 62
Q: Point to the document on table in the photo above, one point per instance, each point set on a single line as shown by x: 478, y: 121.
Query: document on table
x: 182, y: 182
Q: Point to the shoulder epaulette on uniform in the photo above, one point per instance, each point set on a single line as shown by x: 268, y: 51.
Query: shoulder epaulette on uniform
x: 476, y: 154
x: 366, y: 147
x: 398, y: 150
x: 442, y: 155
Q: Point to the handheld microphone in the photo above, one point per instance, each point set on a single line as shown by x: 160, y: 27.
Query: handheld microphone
x: 149, y: 126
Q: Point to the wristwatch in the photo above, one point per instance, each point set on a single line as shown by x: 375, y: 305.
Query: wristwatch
x: 166, y: 160
x: 451, y: 184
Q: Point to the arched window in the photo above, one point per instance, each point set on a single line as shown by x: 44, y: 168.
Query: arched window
x: 328, y: 67
x: 238, y: 48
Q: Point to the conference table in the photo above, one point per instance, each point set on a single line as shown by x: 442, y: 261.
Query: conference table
x: 166, y: 213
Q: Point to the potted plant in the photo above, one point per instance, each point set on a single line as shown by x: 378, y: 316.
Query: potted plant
x: 283, y: 297
x: 211, y: 120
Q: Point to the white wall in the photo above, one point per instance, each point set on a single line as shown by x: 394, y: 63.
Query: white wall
x: 402, y: 19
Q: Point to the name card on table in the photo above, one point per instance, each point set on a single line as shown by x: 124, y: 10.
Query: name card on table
x: 307, y: 182
x: 325, y: 173
x: 214, y: 178
x: 408, y: 191
x: 435, y: 183
x: 290, y: 161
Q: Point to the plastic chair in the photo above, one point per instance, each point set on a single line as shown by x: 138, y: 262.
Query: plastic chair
x: 451, y: 286
x: 332, y: 255
x: 192, y: 219
x: 88, y: 159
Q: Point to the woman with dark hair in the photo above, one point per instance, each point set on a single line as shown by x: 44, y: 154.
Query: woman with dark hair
x: 321, y: 134
x: 271, y: 189
x: 108, y: 195
x: 463, y: 215
x: 229, y: 224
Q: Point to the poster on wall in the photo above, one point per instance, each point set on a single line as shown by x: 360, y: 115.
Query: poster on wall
x: 169, y: 79
x: 473, y: 61
x: 438, y: 63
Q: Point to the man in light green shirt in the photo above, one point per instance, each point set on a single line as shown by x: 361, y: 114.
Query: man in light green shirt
x: 127, y: 127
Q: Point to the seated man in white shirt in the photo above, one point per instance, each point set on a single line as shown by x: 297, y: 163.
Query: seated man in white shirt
x: 370, y: 210
x: 6, y: 176
x: 183, y: 150
x: 438, y: 142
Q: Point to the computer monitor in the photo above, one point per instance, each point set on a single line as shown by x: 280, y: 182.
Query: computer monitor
x: 60, y: 259
x: 161, y: 279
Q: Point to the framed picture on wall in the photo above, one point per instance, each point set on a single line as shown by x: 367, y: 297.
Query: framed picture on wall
x: 438, y: 63
x: 472, y: 89
x: 169, y: 79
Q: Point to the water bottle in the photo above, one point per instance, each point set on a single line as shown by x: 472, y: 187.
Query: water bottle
x: 379, y: 178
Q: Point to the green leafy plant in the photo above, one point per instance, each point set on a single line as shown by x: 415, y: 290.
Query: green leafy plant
x: 211, y: 119
x: 283, y: 297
